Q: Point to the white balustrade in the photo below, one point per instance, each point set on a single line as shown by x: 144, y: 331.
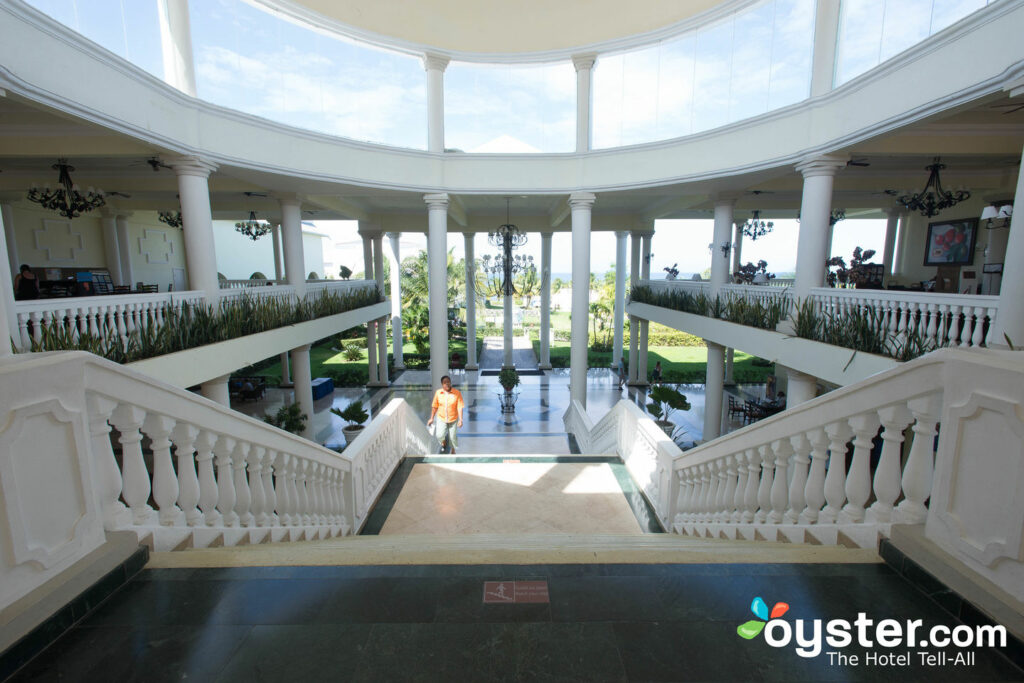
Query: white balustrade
x: 756, y: 293
x: 690, y: 286
x: 246, y: 284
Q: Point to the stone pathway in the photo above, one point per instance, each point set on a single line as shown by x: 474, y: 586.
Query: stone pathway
x: 493, y: 353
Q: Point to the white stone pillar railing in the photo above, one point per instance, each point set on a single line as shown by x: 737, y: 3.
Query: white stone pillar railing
x: 250, y: 282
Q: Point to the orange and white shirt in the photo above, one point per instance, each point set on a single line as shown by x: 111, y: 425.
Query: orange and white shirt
x: 448, y: 405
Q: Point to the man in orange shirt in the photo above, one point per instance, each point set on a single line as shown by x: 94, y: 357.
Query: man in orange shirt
x: 447, y: 407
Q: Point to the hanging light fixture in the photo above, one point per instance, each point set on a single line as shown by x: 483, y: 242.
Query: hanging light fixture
x: 755, y: 227
x: 508, y: 237
x: 171, y: 218
x: 931, y: 201
x: 66, y: 199
x: 834, y: 217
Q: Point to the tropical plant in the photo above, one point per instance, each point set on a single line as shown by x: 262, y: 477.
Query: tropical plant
x: 354, y: 414
x: 288, y: 417
x: 745, y: 274
x: 508, y: 378
x: 665, y: 400
x: 344, y: 272
x: 857, y: 274
x: 353, y: 350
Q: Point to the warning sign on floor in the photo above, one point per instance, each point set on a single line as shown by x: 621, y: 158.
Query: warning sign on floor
x: 508, y: 592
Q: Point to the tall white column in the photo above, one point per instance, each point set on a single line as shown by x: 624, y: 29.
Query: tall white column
x: 124, y: 253
x: 9, y: 238
x: 395, y: 259
x: 8, y: 316
x: 634, y: 322
x: 713, y: 391
x: 584, y: 75
x: 435, y: 66
x: 176, y: 44
x: 200, y: 254
x: 545, y: 301
x: 581, y: 204
x: 437, y: 283
x: 826, y: 32
x: 371, y: 328
x: 303, y: 386
x: 620, y: 297
x: 291, y: 238
x: 737, y: 246
x: 730, y: 359
x: 382, y: 325
x: 111, y: 252
x: 217, y: 390
x: 471, y: 363
x: 506, y: 361
x: 891, y: 225
x: 800, y: 387
x: 815, y: 210
x: 722, y: 235
x: 645, y: 325
x: 1009, y: 324
x: 286, y: 369
x: 278, y: 266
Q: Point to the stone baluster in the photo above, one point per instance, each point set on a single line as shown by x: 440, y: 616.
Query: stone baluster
x: 90, y: 322
x: 701, y: 491
x: 979, y: 326
x: 328, y: 489
x: 303, y: 493
x: 954, y: 324
x: 917, y: 475
x: 282, y: 487
x: 120, y: 315
x: 798, y: 480
x: 270, y: 505
x: 337, y: 513
x: 313, y: 490
x: 225, y: 482
x: 294, y: 501
x: 764, y: 489
x: 128, y: 419
x: 710, y: 509
x: 184, y: 438
x: 835, y: 481
x: 729, y: 492
x: 742, y: 472
x: 258, y: 509
x: 208, y: 493
x: 692, y: 476
x: 894, y: 420
x: 683, y: 498
x: 243, y: 496
x: 780, y: 486
x: 858, y: 479
x: 753, y: 481
x: 108, y: 473
x: 931, y: 334
x: 814, y: 491
x: 109, y: 321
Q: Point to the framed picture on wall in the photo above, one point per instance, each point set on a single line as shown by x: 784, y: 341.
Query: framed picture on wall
x: 951, y: 243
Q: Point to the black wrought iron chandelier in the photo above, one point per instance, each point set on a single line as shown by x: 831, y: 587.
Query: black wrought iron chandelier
x: 755, y: 227
x: 507, y: 237
x: 66, y: 200
x: 253, y: 228
x: 931, y: 201
x: 171, y: 218
x: 834, y: 217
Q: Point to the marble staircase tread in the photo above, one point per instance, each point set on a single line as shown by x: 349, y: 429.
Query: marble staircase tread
x: 511, y: 549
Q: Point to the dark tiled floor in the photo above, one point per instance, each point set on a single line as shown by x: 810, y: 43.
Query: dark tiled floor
x: 604, y: 622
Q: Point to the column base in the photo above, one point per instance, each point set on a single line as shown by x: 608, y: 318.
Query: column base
x: 286, y: 385
x: 378, y: 384
x: 544, y: 366
x: 473, y: 367
x: 638, y: 383
x: 399, y: 367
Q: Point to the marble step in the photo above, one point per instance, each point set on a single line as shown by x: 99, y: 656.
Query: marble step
x: 511, y: 549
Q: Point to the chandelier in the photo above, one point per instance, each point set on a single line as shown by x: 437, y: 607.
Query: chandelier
x: 931, y: 201
x: 252, y: 228
x: 755, y: 227
x: 171, y: 218
x: 507, y: 237
x: 834, y: 217
x: 66, y: 199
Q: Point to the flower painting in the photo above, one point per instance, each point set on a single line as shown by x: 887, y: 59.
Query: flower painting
x: 951, y: 243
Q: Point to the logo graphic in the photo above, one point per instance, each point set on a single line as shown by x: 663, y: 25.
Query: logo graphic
x: 753, y: 628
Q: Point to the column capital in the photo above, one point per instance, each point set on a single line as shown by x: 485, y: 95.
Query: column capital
x: 582, y: 200
x: 726, y: 198
x: 122, y: 215
x: 895, y: 211
x: 191, y: 165
x: 393, y: 235
x: 826, y: 164
x: 437, y: 200
x: 434, y: 61
x: 300, y: 349
x: 287, y: 198
x: 547, y: 235
x: 584, y: 61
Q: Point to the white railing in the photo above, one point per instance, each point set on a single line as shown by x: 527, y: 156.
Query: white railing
x: 781, y: 282
x: 100, y: 316
x: 338, y: 285
x: 242, y: 284
x: 937, y: 319
x: 285, y: 292
x: 757, y: 293
x: 691, y: 286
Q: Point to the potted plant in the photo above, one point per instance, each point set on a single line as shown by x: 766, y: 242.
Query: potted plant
x: 288, y: 417
x: 355, y: 415
x: 508, y: 378
x: 664, y: 401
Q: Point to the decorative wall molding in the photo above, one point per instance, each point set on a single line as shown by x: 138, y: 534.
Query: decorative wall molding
x: 56, y: 236
x: 160, y: 248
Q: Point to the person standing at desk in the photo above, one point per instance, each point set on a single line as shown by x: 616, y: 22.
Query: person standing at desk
x: 26, y: 284
x: 447, y: 407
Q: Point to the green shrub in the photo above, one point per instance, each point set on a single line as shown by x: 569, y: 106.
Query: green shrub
x: 288, y: 417
x: 354, y: 413
x: 348, y: 375
x: 353, y: 350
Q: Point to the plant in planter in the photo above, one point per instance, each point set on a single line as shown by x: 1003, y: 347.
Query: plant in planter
x: 508, y: 378
x: 289, y: 418
x: 345, y: 272
x: 355, y: 415
x: 664, y: 401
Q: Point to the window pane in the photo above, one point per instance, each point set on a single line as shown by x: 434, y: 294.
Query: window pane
x: 905, y: 25
x: 860, y: 37
x: 792, y: 52
x: 711, y: 83
x: 751, y: 62
x: 510, y: 108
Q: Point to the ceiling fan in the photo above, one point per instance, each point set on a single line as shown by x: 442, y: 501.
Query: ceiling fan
x: 1010, y: 107
x: 858, y: 161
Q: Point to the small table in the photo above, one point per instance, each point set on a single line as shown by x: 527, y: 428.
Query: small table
x: 322, y: 386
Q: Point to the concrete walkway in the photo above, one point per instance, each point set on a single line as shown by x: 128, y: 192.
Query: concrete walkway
x: 493, y: 353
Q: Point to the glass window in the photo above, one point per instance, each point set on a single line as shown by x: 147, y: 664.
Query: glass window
x: 253, y: 61
x: 510, y: 108
x: 128, y: 28
x: 872, y: 31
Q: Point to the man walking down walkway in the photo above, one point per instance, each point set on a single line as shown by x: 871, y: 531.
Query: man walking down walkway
x: 447, y: 408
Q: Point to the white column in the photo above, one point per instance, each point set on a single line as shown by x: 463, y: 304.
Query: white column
x: 303, y: 386
x: 286, y: 370
x: 176, y: 43
x: 737, y: 246
x: 584, y: 74
x: 471, y: 363
x: 435, y: 66
x: 506, y: 361
x: 634, y: 322
x: 730, y: 357
x: 1009, y: 322
x: 620, y: 297
x: 382, y: 325
x: 291, y: 238
x: 545, y: 301
x: 815, y: 210
x: 9, y: 239
x: 437, y: 284
x: 645, y: 325
x: 111, y: 252
x: 826, y: 32
x: 371, y: 328
x: 124, y: 252
x: 200, y: 255
x: 800, y: 387
x: 581, y: 204
x: 395, y: 259
x: 278, y: 267
x: 713, y: 391
x: 722, y: 235
x: 217, y: 390
x: 8, y: 316
x: 891, y: 225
